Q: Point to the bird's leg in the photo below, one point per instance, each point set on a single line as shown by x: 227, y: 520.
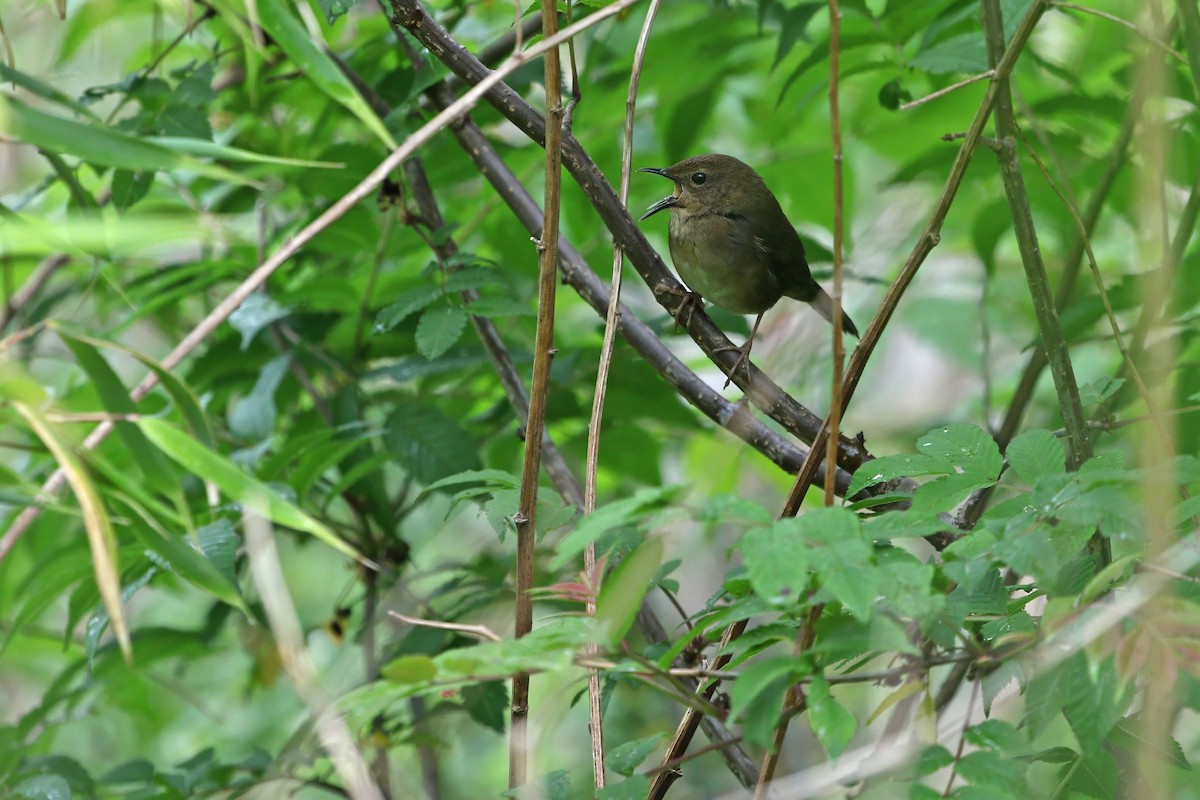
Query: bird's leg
x: 690, y: 302
x: 743, y: 360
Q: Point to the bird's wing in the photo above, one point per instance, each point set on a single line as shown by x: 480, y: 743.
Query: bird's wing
x: 783, y: 253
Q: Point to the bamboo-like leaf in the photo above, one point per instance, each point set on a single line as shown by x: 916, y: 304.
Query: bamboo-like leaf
x: 95, y: 521
x: 205, y: 149
x: 115, y: 398
x: 237, y: 484
x: 184, y: 398
x: 312, y: 60
x: 97, y: 144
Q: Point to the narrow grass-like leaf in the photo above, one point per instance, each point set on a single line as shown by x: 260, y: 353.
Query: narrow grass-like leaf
x: 185, y: 399
x: 237, y: 484
x: 312, y: 60
x: 206, y: 149
x: 95, y: 521
x: 98, y: 145
x: 115, y: 398
x: 185, y: 560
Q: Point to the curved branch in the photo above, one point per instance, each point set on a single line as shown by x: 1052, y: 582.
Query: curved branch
x: 764, y: 393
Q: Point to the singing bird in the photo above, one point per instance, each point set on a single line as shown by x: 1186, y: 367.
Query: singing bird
x: 732, y: 243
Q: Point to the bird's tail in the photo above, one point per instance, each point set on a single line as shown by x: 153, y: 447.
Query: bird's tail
x: 823, y: 303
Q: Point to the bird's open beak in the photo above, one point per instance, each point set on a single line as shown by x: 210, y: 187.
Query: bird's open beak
x: 667, y: 201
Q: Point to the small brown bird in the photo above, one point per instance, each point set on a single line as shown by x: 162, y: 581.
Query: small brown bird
x: 732, y: 243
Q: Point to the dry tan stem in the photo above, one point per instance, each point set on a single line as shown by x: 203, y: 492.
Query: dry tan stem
x: 920, y: 101
x: 482, y: 631
x: 277, y: 602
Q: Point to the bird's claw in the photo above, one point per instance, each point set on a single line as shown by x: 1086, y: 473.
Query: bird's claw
x: 690, y: 302
x: 742, y: 362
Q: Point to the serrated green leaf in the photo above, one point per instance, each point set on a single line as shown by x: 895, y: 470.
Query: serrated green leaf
x: 963, y: 447
x: 439, y: 329
x: 886, y: 468
x: 777, y: 565
x: 406, y: 305
x: 429, y: 444
x: 757, y: 696
x: 1036, y: 453
x: 965, y: 53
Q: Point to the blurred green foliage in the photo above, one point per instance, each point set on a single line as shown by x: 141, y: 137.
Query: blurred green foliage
x: 150, y: 170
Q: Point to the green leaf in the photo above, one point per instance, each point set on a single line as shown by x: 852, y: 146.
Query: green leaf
x: 220, y: 543
x: 757, y: 695
x: 635, y: 787
x: 1099, y: 390
x: 624, y: 589
x: 253, y: 416
x: 255, y: 313
x: 115, y: 398
x: 1036, y: 453
x: 963, y: 447
x: 487, y: 703
x: 98, y: 145
x: 998, y: 735
x: 886, y: 468
x: 965, y: 53
x: 1093, y: 701
x: 335, y: 8
x: 185, y: 121
x: 831, y: 722
x: 406, y: 305
x: 629, y: 511
x: 628, y: 756
x: 439, y: 330
x: 429, y: 444
x: 237, y: 484
x: 777, y: 565
x: 792, y: 29
x: 224, y: 152
x: 96, y: 522
x: 192, y: 566
x: 409, y: 669
x: 311, y: 59
x: 128, y: 187
x: 1129, y: 734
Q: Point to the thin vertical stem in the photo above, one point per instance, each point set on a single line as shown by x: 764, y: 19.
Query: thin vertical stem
x: 526, y: 520
x: 1079, y: 447
x: 602, y: 371
x: 835, y: 125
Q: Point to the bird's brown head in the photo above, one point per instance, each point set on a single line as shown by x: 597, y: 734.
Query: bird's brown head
x: 711, y: 183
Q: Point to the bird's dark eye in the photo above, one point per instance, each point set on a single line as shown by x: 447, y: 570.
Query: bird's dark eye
x: 699, y: 178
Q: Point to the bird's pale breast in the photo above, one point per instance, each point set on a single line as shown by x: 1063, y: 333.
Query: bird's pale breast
x: 718, y: 259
